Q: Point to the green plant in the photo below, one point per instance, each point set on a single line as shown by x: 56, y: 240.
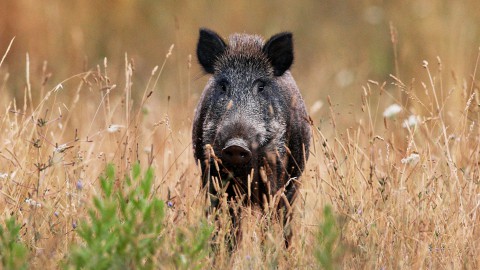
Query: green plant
x: 127, y: 230
x: 125, y: 226
x: 329, y: 250
x: 13, y: 253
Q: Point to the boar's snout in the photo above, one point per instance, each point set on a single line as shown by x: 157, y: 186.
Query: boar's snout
x: 236, y: 152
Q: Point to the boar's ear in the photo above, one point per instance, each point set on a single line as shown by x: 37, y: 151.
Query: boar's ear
x: 279, y: 50
x: 210, y: 46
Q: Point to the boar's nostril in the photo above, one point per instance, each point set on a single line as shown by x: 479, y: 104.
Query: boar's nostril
x: 236, y: 154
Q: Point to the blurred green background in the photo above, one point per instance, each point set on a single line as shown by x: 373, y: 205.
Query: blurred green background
x: 339, y: 44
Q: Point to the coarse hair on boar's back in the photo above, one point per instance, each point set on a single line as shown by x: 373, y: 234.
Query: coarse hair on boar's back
x: 251, y: 132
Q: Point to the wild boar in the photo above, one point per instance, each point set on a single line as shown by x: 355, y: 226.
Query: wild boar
x: 251, y: 131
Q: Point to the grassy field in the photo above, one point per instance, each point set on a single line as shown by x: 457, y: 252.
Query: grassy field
x: 385, y: 186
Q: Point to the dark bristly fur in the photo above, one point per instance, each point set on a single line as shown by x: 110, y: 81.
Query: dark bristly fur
x: 251, y: 101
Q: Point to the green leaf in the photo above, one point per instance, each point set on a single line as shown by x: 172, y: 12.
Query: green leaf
x: 126, y: 230
x: 13, y: 253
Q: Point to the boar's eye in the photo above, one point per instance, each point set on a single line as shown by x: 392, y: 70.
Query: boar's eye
x: 260, y: 85
x: 223, y: 85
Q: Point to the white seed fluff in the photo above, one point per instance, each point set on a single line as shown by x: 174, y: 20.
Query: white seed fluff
x: 392, y: 110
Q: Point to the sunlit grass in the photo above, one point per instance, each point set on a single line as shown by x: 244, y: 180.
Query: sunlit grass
x: 403, y: 195
x: 402, y: 184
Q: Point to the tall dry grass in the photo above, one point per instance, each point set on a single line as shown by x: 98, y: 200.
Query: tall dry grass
x: 404, y: 197
x: 405, y: 193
